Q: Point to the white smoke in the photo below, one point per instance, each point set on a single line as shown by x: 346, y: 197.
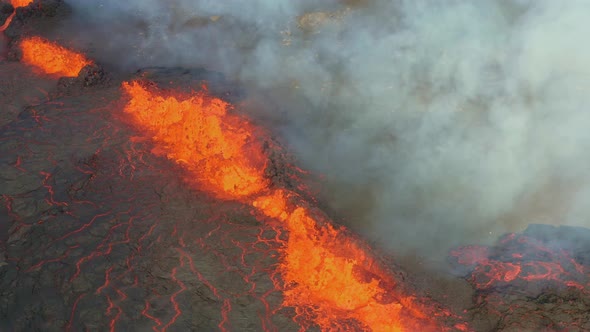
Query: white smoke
x: 435, y: 122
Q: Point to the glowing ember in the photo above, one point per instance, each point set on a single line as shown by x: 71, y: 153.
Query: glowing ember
x: 52, y: 58
x: 327, y: 276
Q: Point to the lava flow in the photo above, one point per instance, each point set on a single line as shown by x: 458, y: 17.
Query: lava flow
x: 327, y: 276
x: 51, y: 58
x: 521, y: 260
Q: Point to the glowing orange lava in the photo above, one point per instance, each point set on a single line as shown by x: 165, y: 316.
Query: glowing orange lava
x: 530, y: 261
x: 52, y: 58
x: 20, y: 3
x: 328, y: 277
x: 328, y: 272
x: 217, y: 147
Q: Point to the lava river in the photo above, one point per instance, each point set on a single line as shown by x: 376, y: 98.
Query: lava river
x: 330, y: 278
x: 327, y: 275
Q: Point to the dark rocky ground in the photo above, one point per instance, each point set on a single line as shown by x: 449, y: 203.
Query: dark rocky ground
x: 97, y: 233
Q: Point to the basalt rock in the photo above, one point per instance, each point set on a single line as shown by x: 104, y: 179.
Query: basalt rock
x: 90, y: 76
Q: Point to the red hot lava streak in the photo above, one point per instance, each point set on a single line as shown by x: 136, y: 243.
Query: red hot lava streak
x: 7, y: 22
x: 327, y: 276
x: 51, y: 58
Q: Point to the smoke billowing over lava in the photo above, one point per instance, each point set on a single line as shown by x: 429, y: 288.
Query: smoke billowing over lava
x: 139, y: 189
x: 433, y: 122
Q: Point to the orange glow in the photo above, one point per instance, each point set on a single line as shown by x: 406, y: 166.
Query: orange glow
x: 217, y: 147
x: 327, y: 275
x: 52, y: 58
x: 326, y: 269
x: 20, y: 3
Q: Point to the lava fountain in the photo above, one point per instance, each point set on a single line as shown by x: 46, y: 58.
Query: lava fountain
x: 52, y: 58
x: 328, y: 276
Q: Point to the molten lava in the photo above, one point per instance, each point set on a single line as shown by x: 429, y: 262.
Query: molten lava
x: 327, y: 276
x: 522, y: 260
x: 217, y: 147
x: 51, y: 58
x: 20, y: 3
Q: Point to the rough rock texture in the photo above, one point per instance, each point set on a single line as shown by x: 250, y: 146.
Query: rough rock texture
x: 16, y: 91
x: 90, y: 76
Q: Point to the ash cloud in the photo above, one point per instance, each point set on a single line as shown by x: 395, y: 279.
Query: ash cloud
x: 435, y: 123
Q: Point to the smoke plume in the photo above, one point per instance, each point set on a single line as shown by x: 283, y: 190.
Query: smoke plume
x: 435, y: 123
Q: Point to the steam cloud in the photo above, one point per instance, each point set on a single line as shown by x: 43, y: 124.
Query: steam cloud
x: 435, y: 122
